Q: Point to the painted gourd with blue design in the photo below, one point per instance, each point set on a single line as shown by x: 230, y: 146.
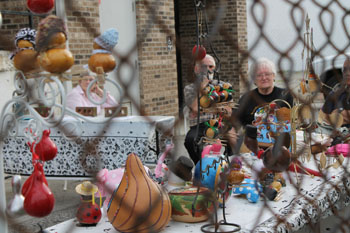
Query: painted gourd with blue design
x: 209, y: 175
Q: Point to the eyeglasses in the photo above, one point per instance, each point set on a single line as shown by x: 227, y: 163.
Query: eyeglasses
x: 264, y: 75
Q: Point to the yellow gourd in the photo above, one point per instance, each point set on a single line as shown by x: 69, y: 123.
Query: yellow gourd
x: 139, y: 204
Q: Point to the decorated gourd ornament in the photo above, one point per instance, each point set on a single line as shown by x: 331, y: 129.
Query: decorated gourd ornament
x: 182, y: 200
x: 39, y: 200
x: 139, y: 204
x: 37, y: 167
x: 25, y: 58
x: 102, y: 60
x: 205, y: 101
x: 46, y: 148
x: 51, y: 44
x: 40, y: 6
x: 199, y: 52
x: 89, y: 212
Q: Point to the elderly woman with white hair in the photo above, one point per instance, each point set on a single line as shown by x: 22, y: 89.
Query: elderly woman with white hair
x: 263, y: 73
x: 78, y: 97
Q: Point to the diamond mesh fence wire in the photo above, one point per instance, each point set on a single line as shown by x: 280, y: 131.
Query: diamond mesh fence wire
x: 306, y: 154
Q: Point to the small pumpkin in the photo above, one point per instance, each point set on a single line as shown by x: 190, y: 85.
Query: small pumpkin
x: 56, y: 60
x: 139, y: 204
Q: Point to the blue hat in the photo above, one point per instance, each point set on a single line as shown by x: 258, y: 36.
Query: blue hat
x: 108, y: 39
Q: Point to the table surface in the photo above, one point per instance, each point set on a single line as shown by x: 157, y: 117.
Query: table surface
x: 257, y: 217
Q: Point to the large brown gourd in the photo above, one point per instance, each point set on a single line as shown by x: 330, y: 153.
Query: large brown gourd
x: 139, y: 204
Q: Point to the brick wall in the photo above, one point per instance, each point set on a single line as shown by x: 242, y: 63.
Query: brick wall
x: 231, y: 37
x: 157, y: 64
x: 82, y: 21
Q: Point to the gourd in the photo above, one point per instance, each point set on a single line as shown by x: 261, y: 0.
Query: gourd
x: 26, y: 60
x: 104, y: 60
x: 56, y: 60
x: 138, y: 204
x: 51, y: 39
x: 39, y: 200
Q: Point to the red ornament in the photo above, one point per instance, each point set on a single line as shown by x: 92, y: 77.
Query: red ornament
x: 39, y: 200
x: 40, y: 6
x: 46, y: 148
x: 28, y: 182
x: 199, y: 53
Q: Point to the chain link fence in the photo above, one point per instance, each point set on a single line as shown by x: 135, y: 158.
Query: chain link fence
x: 303, y: 206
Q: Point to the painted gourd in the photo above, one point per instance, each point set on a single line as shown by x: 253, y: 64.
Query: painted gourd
x: 40, y: 6
x: 182, y: 200
x: 199, y: 53
x: 46, y: 148
x: 211, y: 178
x: 37, y: 167
x: 104, y: 60
x: 138, y: 204
x: 39, y: 200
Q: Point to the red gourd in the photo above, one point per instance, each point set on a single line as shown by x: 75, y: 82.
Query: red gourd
x: 39, y: 200
x: 28, y: 182
x: 40, y: 6
x: 46, y: 148
x: 199, y: 53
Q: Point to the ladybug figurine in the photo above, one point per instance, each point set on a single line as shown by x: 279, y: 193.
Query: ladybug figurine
x: 89, y: 213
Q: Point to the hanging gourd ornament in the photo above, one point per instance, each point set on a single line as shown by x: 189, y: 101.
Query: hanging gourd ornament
x: 139, y: 204
x: 102, y: 60
x: 39, y: 200
x: 40, y: 6
x: 51, y: 43
x: 46, y: 148
x: 25, y: 58
x: 37, y: 167
x: 199, y: 52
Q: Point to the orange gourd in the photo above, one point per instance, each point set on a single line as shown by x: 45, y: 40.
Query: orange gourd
x: 104, y: 60
x: 24, y: 44
x: 56, y: 60
x: 58, y: 40
x: 26, y: 60
x: 139, y: 204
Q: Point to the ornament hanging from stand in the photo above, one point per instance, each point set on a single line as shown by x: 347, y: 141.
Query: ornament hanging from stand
x: 39, y: 200
x: 40, y: 6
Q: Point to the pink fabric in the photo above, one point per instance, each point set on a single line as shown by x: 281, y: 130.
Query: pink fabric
x: 77, y: 98
x: 211, y: 149
x: 108, y: 181
x: 339, y: 149
x: 160, y: 165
